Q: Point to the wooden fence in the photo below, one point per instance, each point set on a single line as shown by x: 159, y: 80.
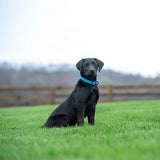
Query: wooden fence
x: 55, y: 95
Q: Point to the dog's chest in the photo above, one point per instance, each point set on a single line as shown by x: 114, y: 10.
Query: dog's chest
x: 93, y: 95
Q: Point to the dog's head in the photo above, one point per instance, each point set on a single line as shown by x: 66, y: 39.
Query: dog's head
x: 88, y: 67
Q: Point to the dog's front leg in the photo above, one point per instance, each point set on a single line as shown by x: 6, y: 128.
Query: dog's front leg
x: 80, y: 115
x: 92, y: 115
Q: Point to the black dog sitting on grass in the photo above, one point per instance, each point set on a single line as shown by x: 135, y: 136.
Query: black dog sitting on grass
x: 83, y: 99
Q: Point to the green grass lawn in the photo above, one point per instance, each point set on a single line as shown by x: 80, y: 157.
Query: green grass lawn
x: 124, y: 130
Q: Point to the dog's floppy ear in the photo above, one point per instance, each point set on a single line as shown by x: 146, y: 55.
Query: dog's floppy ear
x: 79, y: 64
x: 100, y: 63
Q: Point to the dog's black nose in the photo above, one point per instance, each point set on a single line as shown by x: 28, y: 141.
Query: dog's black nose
x: 92, y: 71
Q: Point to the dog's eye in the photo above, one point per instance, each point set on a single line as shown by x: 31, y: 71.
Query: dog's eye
x: 87, y: 64
x: 93, y: 63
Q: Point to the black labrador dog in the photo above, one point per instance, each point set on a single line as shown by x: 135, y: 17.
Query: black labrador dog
x: 82, y: 101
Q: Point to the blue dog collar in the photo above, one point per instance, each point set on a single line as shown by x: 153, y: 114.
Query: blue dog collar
x: 89, y: 82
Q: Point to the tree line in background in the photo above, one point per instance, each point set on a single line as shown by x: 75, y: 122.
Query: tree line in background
x: 30, y: 75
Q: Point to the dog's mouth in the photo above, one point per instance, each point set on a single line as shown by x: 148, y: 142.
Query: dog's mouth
x: 92, y: 73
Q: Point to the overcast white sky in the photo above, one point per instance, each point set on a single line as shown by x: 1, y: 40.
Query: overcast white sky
x: 124, y: 34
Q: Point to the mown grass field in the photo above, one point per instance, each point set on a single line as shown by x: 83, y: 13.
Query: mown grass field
x: 123, y: 131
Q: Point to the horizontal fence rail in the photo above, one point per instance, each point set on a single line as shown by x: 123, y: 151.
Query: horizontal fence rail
x: 56, y: 95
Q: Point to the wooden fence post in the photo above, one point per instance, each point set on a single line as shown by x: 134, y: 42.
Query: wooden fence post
x: 110, y: 94
x: 53, y: 96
